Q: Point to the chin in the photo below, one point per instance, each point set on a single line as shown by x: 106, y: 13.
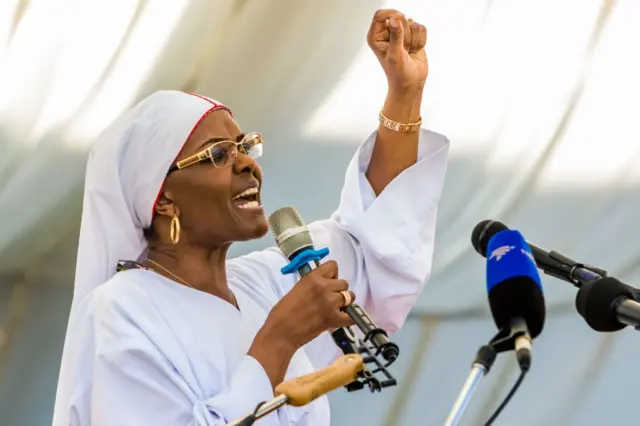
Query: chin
x: 258, y: 229
x: 261, y: 228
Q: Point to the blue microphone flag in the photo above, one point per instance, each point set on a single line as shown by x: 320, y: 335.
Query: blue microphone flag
x: 509, y: 256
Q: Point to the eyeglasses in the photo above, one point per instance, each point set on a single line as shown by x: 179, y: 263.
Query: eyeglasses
x: 224, y: 153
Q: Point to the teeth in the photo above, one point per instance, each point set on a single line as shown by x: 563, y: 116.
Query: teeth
x: 249, y: 205
x: 250, y: 191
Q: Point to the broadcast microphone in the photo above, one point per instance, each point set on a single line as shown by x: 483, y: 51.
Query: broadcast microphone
x: 607, y: 305
x: 515, y: 294
x: 294, y: 240
x: 550, y: 262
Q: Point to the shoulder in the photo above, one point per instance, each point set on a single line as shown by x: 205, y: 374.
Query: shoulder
x: 123, y: 302
x: 124, y: 289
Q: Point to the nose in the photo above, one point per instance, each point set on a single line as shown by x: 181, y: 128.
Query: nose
x: 244, y: 164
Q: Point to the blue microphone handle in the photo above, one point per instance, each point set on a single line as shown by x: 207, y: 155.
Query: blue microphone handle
x: 480, y: 367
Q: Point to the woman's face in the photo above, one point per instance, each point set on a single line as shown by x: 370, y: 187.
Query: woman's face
x: 204, y: 197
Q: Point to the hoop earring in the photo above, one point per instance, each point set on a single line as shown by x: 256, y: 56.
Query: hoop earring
x: 175, y: 229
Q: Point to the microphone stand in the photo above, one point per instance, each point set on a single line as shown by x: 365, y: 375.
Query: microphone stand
x: 483, y: 362
x: 507, y: 339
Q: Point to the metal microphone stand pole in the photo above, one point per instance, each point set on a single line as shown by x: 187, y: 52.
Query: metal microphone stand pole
x: 480, y: 367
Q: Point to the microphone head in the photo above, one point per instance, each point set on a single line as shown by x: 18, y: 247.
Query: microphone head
x: 594, y: 302
x: 483, y: 232
x: 290, y: 231
x: 513, y: 282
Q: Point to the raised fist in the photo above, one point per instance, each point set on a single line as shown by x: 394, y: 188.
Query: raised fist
x: 398, y: 43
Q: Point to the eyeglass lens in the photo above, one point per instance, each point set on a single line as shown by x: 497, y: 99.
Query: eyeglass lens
x: 224, y: 153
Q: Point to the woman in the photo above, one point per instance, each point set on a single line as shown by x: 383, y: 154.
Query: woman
x: 191, y: 339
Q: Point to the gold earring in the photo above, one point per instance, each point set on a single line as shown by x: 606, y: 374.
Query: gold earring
x: 175, y: 229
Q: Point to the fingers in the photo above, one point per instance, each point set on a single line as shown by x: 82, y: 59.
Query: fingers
x: 379, y: 29
x: 351, y: 300
x: 341, y: 299
x: 396, y: 35
x: 383, y: 14
x: 336, y: 301
x: 338, y: 293
x: 343, y: 320
x: 333, y: 292
x: 402, y: 22
x: 412, y: 40
x: 383, y: 35
x: 413, y: 36
x: 328, y: 269
x: 390, y: 25
x: 406, y: 27
x: 418, y: 37
x: 336, y: 285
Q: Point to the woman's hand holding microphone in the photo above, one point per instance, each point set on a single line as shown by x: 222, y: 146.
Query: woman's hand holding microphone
x: 313, y: 306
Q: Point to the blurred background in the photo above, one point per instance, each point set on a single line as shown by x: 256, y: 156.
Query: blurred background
x: 539, y: 100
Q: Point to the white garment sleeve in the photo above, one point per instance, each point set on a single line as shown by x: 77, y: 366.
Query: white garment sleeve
x: 134, y: 383
x: 383, y: 245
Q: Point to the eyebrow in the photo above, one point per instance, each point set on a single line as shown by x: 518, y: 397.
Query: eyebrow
x: 214, y: 140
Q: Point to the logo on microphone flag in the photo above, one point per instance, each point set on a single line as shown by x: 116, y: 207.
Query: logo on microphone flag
x: 500, y: 252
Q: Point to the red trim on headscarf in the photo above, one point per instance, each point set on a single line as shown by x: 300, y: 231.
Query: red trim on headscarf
x: 222, y: 106
x: 215, y: 107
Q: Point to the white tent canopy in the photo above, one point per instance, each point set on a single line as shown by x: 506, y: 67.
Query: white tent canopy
x: 538, y: 98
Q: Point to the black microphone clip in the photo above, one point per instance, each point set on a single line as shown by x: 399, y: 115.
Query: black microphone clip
x: 570, y: 270
x: 514, y: 336
x: 349, y: 344
x: 380, y: 345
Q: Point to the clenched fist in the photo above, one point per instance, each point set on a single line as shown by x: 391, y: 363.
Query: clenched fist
x: 398, y: 43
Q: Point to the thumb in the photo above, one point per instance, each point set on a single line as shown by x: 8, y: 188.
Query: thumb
x: 396, y: 36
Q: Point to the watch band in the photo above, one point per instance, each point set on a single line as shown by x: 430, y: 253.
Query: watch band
x: 399, y: 127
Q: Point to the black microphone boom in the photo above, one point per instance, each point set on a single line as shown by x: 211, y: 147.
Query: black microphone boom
x: 376, y: 335
x: 550, y: 262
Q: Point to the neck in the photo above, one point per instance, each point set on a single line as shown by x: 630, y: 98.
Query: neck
x: 202, y: 268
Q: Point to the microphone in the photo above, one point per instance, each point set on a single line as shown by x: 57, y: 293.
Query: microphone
x: 607, y: 305
x: 515, y: 294
x: 550, y: 262
x: 294, y: 240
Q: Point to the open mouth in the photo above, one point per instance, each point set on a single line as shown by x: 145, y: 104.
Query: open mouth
x: 248, y: 199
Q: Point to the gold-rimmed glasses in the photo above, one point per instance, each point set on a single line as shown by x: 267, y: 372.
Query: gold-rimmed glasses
x: 223, y: 153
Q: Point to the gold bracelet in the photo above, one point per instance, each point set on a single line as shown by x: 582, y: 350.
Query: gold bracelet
x: 399, y: 127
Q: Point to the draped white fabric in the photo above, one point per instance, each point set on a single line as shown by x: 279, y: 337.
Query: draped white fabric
x: 539, y: 100
x: 69, y: 67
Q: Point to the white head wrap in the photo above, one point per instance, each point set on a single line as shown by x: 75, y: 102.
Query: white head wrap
x: 125, y: 172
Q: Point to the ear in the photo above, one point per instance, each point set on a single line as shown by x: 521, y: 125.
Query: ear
x: 165, y: 205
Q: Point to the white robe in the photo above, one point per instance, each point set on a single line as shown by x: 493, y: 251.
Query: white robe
x: 158, y: 353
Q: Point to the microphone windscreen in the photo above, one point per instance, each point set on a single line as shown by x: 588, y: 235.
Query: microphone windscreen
x: 482, y: 234
x: 290, y: 232
x: 513, y: 282
x: 595, y: 300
